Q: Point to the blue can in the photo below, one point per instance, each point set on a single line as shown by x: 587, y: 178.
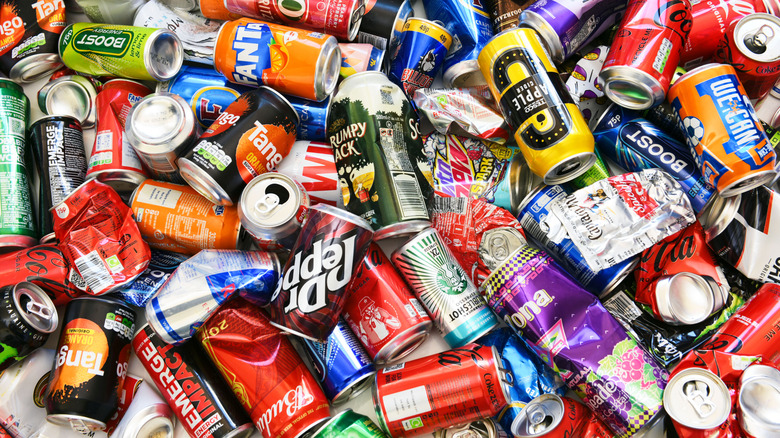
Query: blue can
x: 547, y: 232
x: 313, y: 116
x: 161, y: 266
x: 342, y: 366
x: 635, y: 144
x: 418, y: 54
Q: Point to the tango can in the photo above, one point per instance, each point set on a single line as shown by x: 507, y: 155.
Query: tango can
x: 27, y: 317
x: 313, y: 165
x: 272, y: 209
x: 418, y: 54
x: 29, y: 45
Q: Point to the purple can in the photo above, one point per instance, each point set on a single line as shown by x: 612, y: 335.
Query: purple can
x: 574, y: 334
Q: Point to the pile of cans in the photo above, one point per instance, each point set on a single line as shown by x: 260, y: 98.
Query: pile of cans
x: 284, y: 199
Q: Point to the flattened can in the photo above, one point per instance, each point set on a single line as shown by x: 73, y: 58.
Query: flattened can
x: 21, y: 394
x: 549, y: 128
x: 444, y: 288
x: 313, y: 165
x: 351, y: 424
x: 70, y: 95
x: 29, y: 43
x: 384, y: 175
x: 418, y: 54
x: 383, y: 21
x: 27, y: 317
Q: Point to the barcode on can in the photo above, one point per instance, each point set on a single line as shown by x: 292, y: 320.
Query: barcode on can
x: 17, y: 126
x: 94, y: 272
x: 622, y: 306
x: 417, y: 306
x: 529, y: 224
x: 410, y: 198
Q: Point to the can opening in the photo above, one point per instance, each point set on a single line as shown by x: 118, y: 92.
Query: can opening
x: 758, y: 41
x: 540, y: 420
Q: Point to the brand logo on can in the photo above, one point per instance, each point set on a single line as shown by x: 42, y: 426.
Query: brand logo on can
x: 82, y: 355
x: 45, y: 8
x: 343, y: 141
x: 107, y: 42
x: 251, y: 45
x: 656, y: 147
x: 292, y: 9
x: 209, y: 102
x: 292, y: 401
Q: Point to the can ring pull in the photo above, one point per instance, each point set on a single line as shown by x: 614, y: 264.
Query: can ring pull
x: 506, y: 376
x: 32, y: 307
x: 539, y: 417
x: 758, y: 41
x: 267, y: 203
x: 697, y: 393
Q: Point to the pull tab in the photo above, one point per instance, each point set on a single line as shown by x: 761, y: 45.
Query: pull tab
x: 539, y: 418
x: 38, y: 310
x: 758, y: 41
x: 697, y: 393
x: 267, y: 203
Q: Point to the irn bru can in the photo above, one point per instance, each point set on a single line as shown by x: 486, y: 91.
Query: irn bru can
x: 292, y: 61
x: 721, y: 127
x: 549, y: 128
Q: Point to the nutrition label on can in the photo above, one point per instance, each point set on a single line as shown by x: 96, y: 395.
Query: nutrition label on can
x: 66, y: 161
x: 16, y: 215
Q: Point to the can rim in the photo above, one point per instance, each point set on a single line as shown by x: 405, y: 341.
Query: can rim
x: 257, y: 226
x: 156, y: 69
x: 740, y: 41
x: 756, y: 372
x: 751, y: 182
x: 648, y: 87
x: 48, y: 319
x: 399, y: 252
x: 515, y: 427
x: 718, y: 214
x: 549, y: 38
x: 327, y: 69
x: 202, y: 182
x: 702, y: 373
x: 171, y: 141
x: 355, y: 19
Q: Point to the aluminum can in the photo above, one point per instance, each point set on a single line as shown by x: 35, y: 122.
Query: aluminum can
x: 313, y: 117
x: 687, y: 299
x: 696, y: 398
x: 341, y: 364
x: 22, y: 389
x: 756, y: 413
x: 250, y: 137
x: 70, y: 95
x: 585, y: 87
x: 505, y: 14
x: 27, y: 317
x: 356, y: 58
x: 272, y: 209
x: 383, y: 173
x: 418, y: 54
x: 384, y: 314
x: 45, y: 267
x: 193, y: 387
x: 455, y: 386
x: 596, y: 173
x: 161, y: 266
x: 17, y: 221
x: 383, y: 21
x: 111, y: 11
x: 215, y: 10
x: 203, y: 283
x: 351, y: 424
x: 91, y: 363
x: 469, y: 112
x: 557, y: 417
x: 550, y: 130
x: 159, y: 128
x: 484, y: 428
x: 30, y: 32
x: 721, y: 127
x: 148, y: 415
x: 444, y: 288
x: 125, y: 51
x: 645, y: 52
x: 259, y: 363
x: 752, y: 46
x: 340, y: 18
x: 635, y: 144
x: 313, y: 289
x: 768, y: 110
x: 313, y: 165
x: 305, y: 66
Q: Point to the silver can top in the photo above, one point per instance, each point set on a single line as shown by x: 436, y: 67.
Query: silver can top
x: 539, y: 417
x: 35, y: 307
x: 70, y: 95
x: 269, y: 200
x: 163, y: 55
x: 328, y: 69
x: 697, y: 398
x: 757, y: 36
x: 758, y: 401
x: 160, y: 123
x: 484, y: 428
x: 686, y: 298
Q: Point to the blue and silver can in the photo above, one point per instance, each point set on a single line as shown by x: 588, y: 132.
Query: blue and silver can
x: 341, y: 365
x: 313, y: 117
x: 418, y: 54
x: 161, y: 266
x: 635, y: 144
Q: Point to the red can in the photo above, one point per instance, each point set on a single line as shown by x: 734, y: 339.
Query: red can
x: 271, y: 382
x: 384, y: 314
x: 558, y: 417
x: 45, y: 267
x: 453, y: 387
x: 312, y: 164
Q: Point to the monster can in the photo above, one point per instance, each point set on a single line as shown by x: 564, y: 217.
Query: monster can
x: 27, y: 317
x: 21, y: 394
x: 313, y: 165
x: 272, y: 209
x: 418, y: 54
x: 29, y: 43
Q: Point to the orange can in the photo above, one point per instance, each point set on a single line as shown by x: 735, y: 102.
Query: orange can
x: 216, y: 10
x: 290, y: 60
x: 176, y: 218
x: 722, y: 129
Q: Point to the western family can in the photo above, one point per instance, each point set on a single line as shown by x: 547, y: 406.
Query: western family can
x: 27, y: 317
x: 30, y: 32
x: 418, y: 54
x: 45, y: 267
x: 445, y: 290
x: 383, y: 172
x: 250, y: 137
x: 313, y: 165
x: 549, y: 128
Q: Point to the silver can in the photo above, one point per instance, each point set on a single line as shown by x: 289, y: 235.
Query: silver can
x: 70, y: 95
x: 484, y: 428
x: 697, y: 398
x: 147, y: 416
x: 758, y: 399
x: 686, y: 298
x: 21, y: 390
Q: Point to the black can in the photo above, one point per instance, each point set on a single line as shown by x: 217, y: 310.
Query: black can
x: 57, y: 144
x: 90, y: 363
x: 383, y: 22
x: 27, y: 317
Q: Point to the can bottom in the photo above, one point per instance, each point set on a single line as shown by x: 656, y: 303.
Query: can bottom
x: 569, y: 168
x: 124, y: 181
x: 152, y: 422
x: 401, y: 229
x: 619, y: 277
x: 243, y: 431
x: 464, y: 74
x: 473, y: 336
x: 203, y: 183
x: 34, y: 67
x: 78, y: 423
x: 748, y: 183
x: 355, y: 388
x: 10, y: 242
x: 632, y: 88
x: 404, y: 344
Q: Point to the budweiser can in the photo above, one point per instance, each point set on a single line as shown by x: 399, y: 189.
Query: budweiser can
x: 552, y: 416
x: 313, y: 165
x: 45, y: 267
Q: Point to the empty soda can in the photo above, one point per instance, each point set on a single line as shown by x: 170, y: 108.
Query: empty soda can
x: 686, y: 298
x: 698, y: 399
x: 70, y: 95
x: 757, y: 400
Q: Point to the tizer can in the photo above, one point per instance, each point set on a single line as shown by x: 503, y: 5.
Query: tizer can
x: 313, y: 165
x: 27, y: 317
x: 549, y: 128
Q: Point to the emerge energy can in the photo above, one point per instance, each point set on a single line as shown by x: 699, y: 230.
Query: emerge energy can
x: 549, y: 128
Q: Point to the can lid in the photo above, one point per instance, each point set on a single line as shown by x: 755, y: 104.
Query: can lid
x: 539, y: 417
x: 163, y: 55
x: 718, y: 214
x: 355, y: 18
x: 35, y: 307
x: 684, y: 298
x: 269, y: 200
x: 697, y: 398
x: 758, y: 399
x: 631, y: 88
x: 757, y: 36
x: 327, y: 69
x: 71, y: 95
x: 159, y: 123
x: 484, y: 428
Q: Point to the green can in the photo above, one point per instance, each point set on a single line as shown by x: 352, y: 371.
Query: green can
x: 597, y: 172
x: 124, y: 51
x: 349, y: 424
x: 383, y: 173
x: 17, y: 226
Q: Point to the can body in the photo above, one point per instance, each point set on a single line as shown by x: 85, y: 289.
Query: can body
x: 375, y: 133
x: 349, y: 423
x: 313, y: 165
x: 161, y: 266
x: 21, y: 392
x: 27, y: 316
x: 383, y: 21
x: 313, y: 117
x: 30, y: 32
x: 356, y: 58
x: 418, y: 54
x: 45, y: 267
x: 505, y: 14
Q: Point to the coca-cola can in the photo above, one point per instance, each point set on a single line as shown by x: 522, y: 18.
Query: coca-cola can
x: 313, y: 165
x: 45, y: 267
x: 552, y: 416
x: 686, y: 298
x: 698, y: 399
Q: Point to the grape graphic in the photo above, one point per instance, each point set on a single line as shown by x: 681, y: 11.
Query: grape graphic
x: 630, y: 366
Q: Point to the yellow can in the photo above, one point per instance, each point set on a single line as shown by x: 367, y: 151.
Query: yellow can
x: 549, y: 128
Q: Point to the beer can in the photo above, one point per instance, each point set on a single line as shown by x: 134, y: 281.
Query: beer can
x: 91, y: 363
x: 418, y: 54
x: 17, y: 221
x: 313, y: 165
x: 70, y: 95
x: 383, y: 21
x: 22, y: 389
x: 27, y: 317
x: 444, y: 288
x: 553, y: 416
x: 382, y: 312
x: 250, y: 137
x: 124, y: 51
x: 159, y: 128
x: 305, y: 66
x: 383, y: 173
x: 193, y: 387
x: 30, y: 32
x: 696, y: 398
x: 550, y: 130
x: 272, y: 209
x: 505, y: 14
x: 356, y: 58
x: 45, y: 267
x: 455, y: 386
x: 313, y: 288
x: 721, y: 127
x: 757, y: 395
x: 147, y: 416
x: 264, y: 370
x: 349, y: 423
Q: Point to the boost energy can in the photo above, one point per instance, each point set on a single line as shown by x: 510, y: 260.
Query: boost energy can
x: 27, y: 317
x: 313, y: 165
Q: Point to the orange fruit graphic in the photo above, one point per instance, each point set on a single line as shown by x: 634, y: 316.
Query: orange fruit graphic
x: 278, y: 58
x: 260, y: 150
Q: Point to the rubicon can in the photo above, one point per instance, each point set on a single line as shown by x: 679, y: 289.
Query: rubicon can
x: 27, y: 317
x: 304, y: 64
x: 418, y: 54
x: 549, y: 128
x: 193, y: 387
x: 645, y: 52
x: 313, y: 165
x: 91, y: 363
x: 30, y: 32
x: 384, y: 314
x: 721, y: 127
x: 350, y: 423
x: 21, y: 394
x: 552, y: 416
x: 455, y: 386
x: 250, y: 137
x: 264, y: 370
x: 444, y: 288
x: 383, y: 173
x: 45, y: 267
x: 313, y: 117
x: 383, y: 21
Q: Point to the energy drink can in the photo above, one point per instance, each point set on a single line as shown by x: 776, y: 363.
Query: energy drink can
x: 124, y: 51
x: 30, y: 32
x: 444, y: 288
x: 383, y: 21
x: 91, y: 363
x: 356, y: 58
x: 70, y: 95
x: 550, y: 130
x: 349, y: 423
x: 27, y: 317
x: 418, y: 54
x: 721, y: 127
x: 250, y: 137
x: 305, y: 66
x: 17, y: 220
x: 313, y: 117
x: 22, y: 389
x: 383, y: 172
x: 57, y: 144
x: 45, y: 267
x: 313, y: 165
